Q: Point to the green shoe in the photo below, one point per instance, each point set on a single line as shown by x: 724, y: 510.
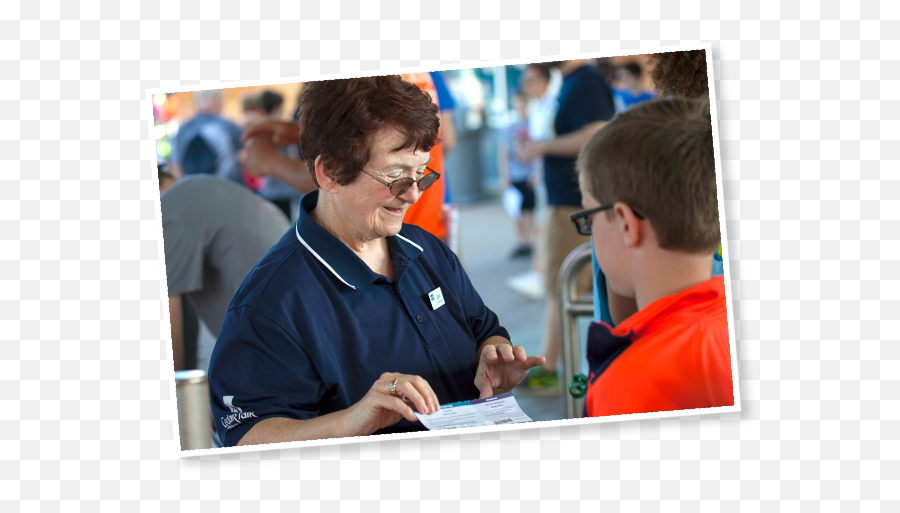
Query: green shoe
x: 541, y: 382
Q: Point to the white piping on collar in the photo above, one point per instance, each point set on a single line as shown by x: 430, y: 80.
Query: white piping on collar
x: 411, y: 242
x: 321, y: 259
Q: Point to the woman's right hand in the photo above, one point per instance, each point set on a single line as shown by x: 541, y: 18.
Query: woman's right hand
x: 379, y: 409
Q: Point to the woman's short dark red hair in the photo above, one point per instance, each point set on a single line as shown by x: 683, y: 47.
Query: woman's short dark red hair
x: 338, y: 119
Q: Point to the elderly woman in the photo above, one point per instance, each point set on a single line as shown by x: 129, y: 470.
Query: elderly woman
x: 354, y: 319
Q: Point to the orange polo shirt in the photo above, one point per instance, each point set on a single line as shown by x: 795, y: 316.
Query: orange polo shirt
x: 426, y: 213
x: 671, y: 355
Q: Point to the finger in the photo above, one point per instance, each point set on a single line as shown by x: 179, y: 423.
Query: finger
x: 504, y: 352
x: 489, y: 353
x: 397, y: 405
x: 485, y: 390
x: 519, y: 353
x: 427, y: 392
x: 406, y: 390
x: 534, y: 361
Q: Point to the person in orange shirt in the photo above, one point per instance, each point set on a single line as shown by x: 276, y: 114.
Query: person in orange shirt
x: 648, y: 184
x: 427, y: 212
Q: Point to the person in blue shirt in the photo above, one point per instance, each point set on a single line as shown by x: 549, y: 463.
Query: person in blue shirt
x: 353, y: 319
x: 631, y: 90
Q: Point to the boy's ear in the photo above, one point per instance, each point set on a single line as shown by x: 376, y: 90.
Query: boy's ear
x: 631, y: 227
x: 324, y: 176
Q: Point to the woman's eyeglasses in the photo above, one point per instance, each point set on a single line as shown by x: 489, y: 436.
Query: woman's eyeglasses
x: 401, y: 185
x: 582, y: 220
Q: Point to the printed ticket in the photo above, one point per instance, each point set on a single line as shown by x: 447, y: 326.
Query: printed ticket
x: 492, y: 411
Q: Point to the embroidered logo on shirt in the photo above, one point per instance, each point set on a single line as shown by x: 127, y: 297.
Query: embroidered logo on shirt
x: 237, y: 414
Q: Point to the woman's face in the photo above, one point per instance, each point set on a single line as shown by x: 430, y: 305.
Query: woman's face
x: 366, y: 205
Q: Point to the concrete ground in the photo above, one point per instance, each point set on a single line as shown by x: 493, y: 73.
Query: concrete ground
x: 487, y: 238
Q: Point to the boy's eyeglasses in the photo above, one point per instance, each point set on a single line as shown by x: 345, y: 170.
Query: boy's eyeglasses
x: 401, y: 185
x: 582, y: 220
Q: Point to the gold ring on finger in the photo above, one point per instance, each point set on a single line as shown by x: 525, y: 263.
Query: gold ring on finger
x: 394, y: 387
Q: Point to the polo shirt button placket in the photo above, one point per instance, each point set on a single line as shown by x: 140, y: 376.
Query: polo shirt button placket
x: 420, y: 319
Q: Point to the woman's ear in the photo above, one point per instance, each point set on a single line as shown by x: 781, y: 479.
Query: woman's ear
x: 324, y: 176
x: 631, y: 227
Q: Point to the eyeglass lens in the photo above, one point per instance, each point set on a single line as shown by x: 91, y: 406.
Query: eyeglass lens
x: 401, y: 186
x: 584, y: 225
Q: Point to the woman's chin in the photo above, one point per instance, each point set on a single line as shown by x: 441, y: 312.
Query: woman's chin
x: 390, y: 227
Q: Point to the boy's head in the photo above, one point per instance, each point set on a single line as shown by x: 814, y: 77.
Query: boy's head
x: 655, y: 164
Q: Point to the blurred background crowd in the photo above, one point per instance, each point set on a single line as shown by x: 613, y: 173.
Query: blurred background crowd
x: 502, y: 129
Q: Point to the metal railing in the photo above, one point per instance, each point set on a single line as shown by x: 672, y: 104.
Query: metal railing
x: 573, y: 306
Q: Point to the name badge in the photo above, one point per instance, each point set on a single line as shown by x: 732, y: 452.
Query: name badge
x: 437, y: 298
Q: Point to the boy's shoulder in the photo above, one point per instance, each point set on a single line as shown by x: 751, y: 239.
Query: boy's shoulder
x: 695, y: 316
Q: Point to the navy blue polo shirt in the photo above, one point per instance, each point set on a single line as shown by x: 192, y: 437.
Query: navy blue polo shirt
x: 312, y: 327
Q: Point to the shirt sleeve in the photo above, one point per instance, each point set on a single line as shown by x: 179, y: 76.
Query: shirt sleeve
x: 258, y: 370
x: 445, y: 99
x: 183, y: 250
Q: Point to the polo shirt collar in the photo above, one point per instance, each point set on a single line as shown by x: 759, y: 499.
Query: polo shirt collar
x: 339, y: 259
x: 693, y: 302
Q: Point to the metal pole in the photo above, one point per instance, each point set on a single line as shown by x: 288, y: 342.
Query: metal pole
x: 573, y: 306
x: 194, y: 416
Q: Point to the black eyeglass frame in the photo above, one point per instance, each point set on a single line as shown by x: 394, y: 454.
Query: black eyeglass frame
x: 582, y: 220
x: 410, y: 181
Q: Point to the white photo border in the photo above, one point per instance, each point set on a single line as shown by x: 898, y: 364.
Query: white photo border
x: 167, y: 367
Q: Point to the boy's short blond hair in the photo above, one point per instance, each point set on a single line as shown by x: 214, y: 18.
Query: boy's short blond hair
x: 657, y: 158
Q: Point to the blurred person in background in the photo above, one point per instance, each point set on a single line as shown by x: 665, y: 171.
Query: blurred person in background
x: 630, y: 90
x: 354, y: 318
x: 251, y: 106
x: 214, y: 232
x: 537, y: 83
x: 585, y: 103
x: 271, y: 107
x: 680, y: 73
x: 263, y: 154
x: 607, y: 68
x: 208, y: 143
x: 446, y: 103
x: 519, y: 176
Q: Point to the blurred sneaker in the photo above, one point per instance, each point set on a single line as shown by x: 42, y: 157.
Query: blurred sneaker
x: 542, y: 383
x: 521, y: 252
x: 529, y: 284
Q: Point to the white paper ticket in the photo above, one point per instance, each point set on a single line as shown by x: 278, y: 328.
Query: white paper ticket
x: 493, y: 411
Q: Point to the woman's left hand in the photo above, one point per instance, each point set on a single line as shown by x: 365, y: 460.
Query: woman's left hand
x: 502, y: 367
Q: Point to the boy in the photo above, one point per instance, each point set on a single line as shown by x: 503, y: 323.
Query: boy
x: 648, y: 185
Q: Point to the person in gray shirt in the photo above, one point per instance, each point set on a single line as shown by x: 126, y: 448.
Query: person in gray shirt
x: 214, y: 232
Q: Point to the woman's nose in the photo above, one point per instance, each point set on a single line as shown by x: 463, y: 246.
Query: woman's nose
x: 412, y: 194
